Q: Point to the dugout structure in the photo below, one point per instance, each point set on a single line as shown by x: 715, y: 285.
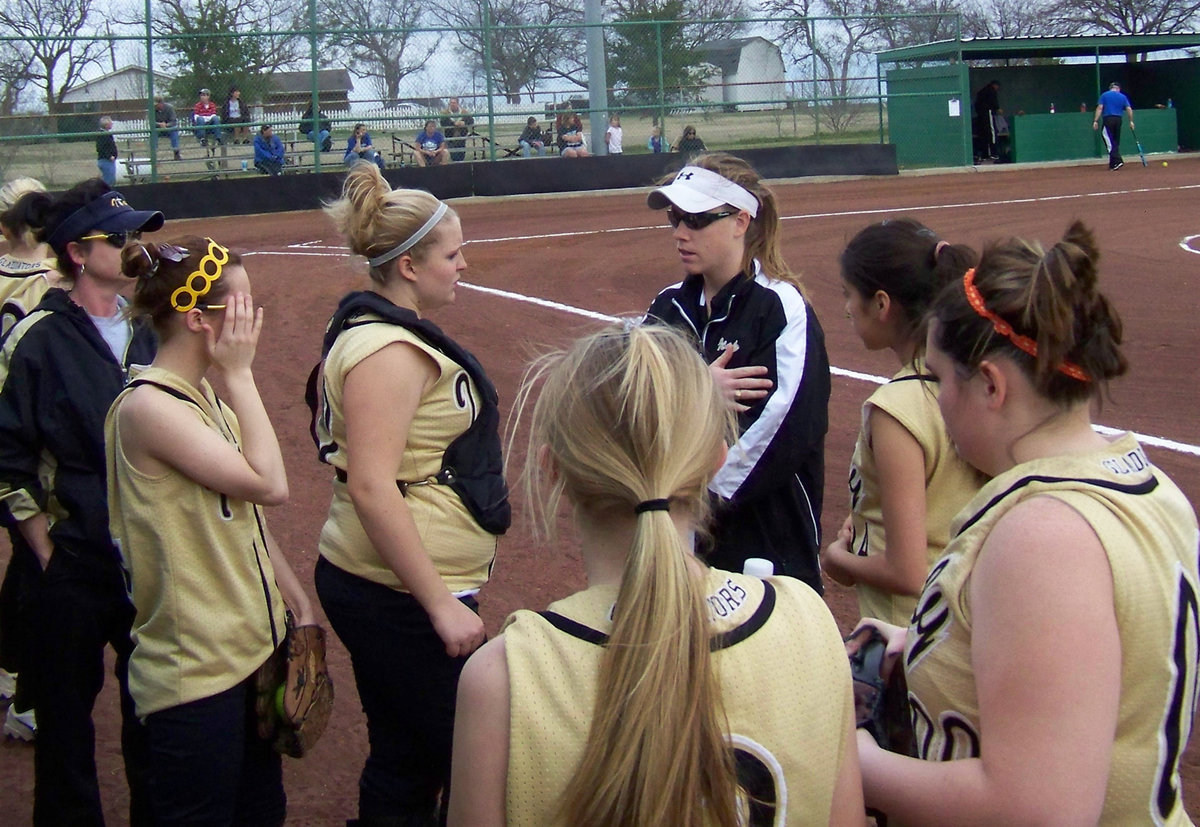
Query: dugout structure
x: 931, y: 88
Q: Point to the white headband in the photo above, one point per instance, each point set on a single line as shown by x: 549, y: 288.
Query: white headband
x: 412, y: 239
x: 698, y: 190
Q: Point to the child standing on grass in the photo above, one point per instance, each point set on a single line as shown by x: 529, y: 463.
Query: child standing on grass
x: 906, y: 480
x: 614, y: 135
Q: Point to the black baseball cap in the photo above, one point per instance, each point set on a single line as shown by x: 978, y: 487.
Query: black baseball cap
x: 109, y: 213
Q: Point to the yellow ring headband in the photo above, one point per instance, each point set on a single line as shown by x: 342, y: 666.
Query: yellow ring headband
x: 184, y: 298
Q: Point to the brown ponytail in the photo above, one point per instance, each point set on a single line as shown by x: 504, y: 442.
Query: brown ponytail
x: 1050, y: 296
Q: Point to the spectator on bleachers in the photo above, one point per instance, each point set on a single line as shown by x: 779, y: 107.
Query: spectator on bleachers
x: 430, y: 146
x: 655, y: 144
x: 165, y: 120
x: 569, y: 127
x: 532, y: 141
x: 236, y: 114
x: 106, y: 152
x: 268, y: 151
x: 324, y: 128
x: 457, y: 124
x: 206, y: 120
x: 689, y: 142
x: 360, y: 148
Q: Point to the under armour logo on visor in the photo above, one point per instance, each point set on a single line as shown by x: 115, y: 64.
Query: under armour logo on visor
x: 684, y: 176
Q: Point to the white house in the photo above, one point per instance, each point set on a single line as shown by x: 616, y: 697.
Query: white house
x: 122, y: 89
x: 747, y: 73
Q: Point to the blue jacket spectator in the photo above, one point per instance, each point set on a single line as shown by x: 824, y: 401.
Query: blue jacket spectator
x: 268, y: 151
x: 430, y: 146
x: 360, y: 148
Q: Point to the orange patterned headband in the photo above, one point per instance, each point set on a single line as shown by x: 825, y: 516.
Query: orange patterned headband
x: 1005, y: 329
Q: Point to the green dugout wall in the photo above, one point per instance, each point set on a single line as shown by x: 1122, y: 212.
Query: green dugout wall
x: 924, y: 81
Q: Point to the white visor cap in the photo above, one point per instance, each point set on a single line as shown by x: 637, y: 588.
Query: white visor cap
x: 697, y: 190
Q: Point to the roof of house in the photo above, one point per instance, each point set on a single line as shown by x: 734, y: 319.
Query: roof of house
x: 328, y: 80
x: 998, y: 48
x: 726, y: 54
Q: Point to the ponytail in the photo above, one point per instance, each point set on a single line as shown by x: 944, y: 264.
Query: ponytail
x: 625, y: 416
x: 1050, y: 316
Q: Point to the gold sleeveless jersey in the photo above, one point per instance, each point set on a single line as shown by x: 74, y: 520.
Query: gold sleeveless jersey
x: 911, y: 399
x: 208, y: 609
x: 461, y: 550
x: 784, y: 677
x: 1150, y: 537
x: 22, y: 284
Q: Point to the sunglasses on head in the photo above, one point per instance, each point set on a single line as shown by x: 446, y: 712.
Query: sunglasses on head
x: 695, y: 220
x: 117, y: 240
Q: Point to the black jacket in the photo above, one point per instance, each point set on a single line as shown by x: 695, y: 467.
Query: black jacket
x: 60, y: 381
x: 770, y: 489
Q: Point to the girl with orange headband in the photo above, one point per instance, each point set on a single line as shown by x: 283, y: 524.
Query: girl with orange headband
x: 1051, y: 660
x: 187, y: 476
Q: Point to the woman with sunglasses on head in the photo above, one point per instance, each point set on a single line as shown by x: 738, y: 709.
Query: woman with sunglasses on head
x: 67, y: 361
x: 1051, y: 660
x: 749, y: 318
x: 187, y: 475
x: 906, y: 480
x: 408, y: 420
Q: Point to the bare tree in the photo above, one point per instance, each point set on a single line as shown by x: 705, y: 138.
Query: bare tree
x: 58, y: 62
x: 1014, y: 18
x: 1130, y: 16
x: 841, y: 48
x: 15, y: 74
x: 379, y: 41
x: 527, y: 41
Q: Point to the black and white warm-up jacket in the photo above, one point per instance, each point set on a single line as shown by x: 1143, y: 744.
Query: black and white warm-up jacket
x: 58, y: 378
x: 769, y: 490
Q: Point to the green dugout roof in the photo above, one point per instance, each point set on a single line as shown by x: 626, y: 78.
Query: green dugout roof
x: 999, y: 48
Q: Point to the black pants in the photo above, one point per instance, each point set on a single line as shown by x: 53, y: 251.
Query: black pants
x: 1112, y: 140
x: 78, y: 606
x: 209, y: 767
x: 19, y: 580
x: 407, y: 684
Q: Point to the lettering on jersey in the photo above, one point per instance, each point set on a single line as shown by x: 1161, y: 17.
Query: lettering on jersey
x: 760, y: 776
x: 723, y: 343
x: 930, y: 620
x: 856, y: 487
x: 463, y: 399
x: 951, y: 738
x: 726, y: 600
x: 1129, y: 463
x: 1181, y: 699
x: 226, y: 512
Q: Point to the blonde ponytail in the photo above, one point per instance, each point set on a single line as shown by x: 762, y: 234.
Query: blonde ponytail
x: 626, y: 416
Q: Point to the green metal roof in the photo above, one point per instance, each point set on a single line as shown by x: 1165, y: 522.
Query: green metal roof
x: 998, y: 48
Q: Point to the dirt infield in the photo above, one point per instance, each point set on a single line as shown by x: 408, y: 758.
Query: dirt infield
x: 551, y: 267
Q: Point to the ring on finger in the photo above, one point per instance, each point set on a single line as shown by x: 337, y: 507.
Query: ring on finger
x: 737, y: 394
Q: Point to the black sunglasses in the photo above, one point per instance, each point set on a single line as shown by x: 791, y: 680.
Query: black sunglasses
x: 696, y: 220
x: 118, y: 240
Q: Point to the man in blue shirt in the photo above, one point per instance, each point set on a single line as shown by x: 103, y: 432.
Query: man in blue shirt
x: 1112, y: 106
x: 268, y: 151
x: 430, y: 146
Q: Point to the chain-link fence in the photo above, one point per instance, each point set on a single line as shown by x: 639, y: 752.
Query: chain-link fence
x: 213, y: 82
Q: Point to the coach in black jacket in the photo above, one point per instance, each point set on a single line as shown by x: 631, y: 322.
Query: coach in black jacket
x: 62, y: 375
x: 769, y: 490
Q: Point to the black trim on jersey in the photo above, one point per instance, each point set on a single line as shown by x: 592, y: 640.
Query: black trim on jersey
x: 473, y: 463
x: 1144, y: 487
x: 262, y: 533
x: 724, y: 640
